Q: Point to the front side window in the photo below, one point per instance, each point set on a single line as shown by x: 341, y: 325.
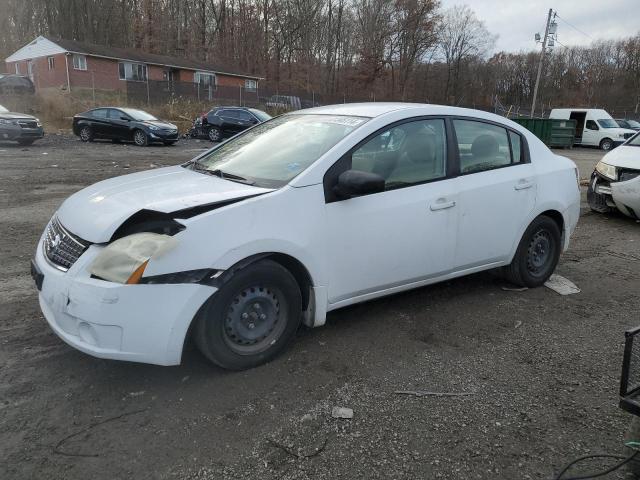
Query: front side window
x: 591, y: 125
x: 273, y: 153
x: 607, y: 123
x: 139, y: 115
x: 79, y: 62
x: 134, y: 72
x: 404, y: 155
x: 481, y: 146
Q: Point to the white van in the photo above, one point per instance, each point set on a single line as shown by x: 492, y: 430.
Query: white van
x: 594, y: 127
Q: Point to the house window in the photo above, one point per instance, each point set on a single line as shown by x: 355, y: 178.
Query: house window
x: 251, y: 85
x: 51, y: 62
x: 136, y: 72
x: 205, y: 79
x: 17, y: 68
x: 79, y: 62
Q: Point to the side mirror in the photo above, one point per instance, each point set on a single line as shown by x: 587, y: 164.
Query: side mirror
x: 354, y: 183
x: 126, y: 119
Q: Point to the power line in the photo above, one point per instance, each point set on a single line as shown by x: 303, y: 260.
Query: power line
x: 574, y: 27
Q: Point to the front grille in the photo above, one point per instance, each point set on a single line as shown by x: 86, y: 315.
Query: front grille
x: 28, y: 123
x: 61, y: 247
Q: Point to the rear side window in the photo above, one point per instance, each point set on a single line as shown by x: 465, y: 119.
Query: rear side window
x: 483, y: 146
x: 100, y: 113
x: 405, y: 155
x: 228, y: 114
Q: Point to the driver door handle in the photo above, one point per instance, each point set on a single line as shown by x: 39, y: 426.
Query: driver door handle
x: 523, y: 184
x: 441, y: 204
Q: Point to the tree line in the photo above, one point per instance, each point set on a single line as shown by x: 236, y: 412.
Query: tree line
x: 344, y: 50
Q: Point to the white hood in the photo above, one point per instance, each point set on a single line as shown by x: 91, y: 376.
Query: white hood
x: 623, y: 157
x: 96, y: 212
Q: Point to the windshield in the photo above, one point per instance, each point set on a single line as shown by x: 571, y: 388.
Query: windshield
x: 138, y: 114
x: 262, y: 116
x: 633, y: 124
x: 272, y: 153
x: 3, y: 110
x: 634, y: 141
x: 607, y: 123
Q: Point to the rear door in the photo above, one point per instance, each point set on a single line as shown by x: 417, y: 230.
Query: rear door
x: 100, y: 122
x: 497, y: 191
x: 245, y: 120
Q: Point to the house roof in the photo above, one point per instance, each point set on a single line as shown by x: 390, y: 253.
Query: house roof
x: 135, y: 55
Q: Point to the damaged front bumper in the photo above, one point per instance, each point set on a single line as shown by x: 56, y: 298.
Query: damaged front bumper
x: 604, y: 194
x: 141, y: 323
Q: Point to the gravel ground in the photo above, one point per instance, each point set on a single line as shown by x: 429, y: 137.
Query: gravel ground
x: 541, y: 370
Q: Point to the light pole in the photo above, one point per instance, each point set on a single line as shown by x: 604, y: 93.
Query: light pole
x: 549, y: 31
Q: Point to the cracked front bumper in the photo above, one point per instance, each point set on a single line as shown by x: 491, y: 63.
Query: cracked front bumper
x: 604, y: 194
x: 140, y: 323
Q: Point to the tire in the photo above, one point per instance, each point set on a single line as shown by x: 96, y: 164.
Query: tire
x: 537, y: 255
x: 86, y: 134
x: 606, y: 144
x: 25, y: 143
x: 214, y: 134
x: 252, y: 318
x: 140, y: 138
x: 633, y: 435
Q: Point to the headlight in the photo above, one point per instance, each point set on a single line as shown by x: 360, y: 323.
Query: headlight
x: 125, y: 260
x: 153, y: 127
x: 38, y: 122
x: 5, y: 122
x: 606, y: 170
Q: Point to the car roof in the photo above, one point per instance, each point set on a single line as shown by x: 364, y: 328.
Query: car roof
x: 376, y: 109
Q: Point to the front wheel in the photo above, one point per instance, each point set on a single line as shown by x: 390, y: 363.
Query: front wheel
x: 215, y: 134
x: 537, y: 255
x: 86, y: 134
x: 140, y: 138
x: 606, y: 144
x: 252, y: 318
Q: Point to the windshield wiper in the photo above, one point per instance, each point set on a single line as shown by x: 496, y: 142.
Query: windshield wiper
x: 230, y: 176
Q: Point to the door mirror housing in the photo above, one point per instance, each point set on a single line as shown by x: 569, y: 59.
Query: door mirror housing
x: 126, y: 119
x: 354, y: 183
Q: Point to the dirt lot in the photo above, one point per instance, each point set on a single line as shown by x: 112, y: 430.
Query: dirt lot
x: 542, y: 369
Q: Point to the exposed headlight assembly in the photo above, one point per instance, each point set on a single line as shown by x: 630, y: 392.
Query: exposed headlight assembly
x: 125, y: 260
x: 606, y: 170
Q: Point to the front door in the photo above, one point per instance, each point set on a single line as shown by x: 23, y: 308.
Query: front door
x: 403, y: 235
x: 591, y: 134
x: 497, y: 192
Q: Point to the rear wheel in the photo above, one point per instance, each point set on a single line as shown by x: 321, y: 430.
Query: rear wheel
x: 537, y: 255
x: 606, y: 144
x: 140, y: 138
x: 251, y: 318
x: 86, y: 134
x: 215, y: 134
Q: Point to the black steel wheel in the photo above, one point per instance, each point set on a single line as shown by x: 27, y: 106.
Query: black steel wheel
x: 606, y: 144
x: 251, y: 318
x: 86, y: 134
x: 215, y: 134
x: 537, y: 255
x: 140, y: 138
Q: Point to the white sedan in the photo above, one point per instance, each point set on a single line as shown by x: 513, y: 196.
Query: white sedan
x: 615, y: 182
x: 306, y: 213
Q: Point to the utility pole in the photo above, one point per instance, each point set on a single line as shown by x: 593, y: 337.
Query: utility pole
x: 544, y: 51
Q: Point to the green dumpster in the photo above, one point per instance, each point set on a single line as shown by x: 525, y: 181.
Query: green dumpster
x: 552, y: 131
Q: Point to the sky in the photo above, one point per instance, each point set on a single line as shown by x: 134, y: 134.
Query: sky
x: 517, y: 21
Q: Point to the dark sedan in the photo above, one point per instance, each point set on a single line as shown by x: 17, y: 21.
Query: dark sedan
x: 223, y: 122
x: 19, y: 127
x: 123, y: 124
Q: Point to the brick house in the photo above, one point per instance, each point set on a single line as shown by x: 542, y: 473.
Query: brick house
x: 68, y: 65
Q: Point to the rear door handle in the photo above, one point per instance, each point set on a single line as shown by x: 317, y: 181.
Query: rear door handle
x: 523, y: 184
x: 441, y: 204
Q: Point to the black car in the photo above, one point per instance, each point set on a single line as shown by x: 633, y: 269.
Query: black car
x: 19, y: 127
x: 126, y: 124
x: 222, y: 122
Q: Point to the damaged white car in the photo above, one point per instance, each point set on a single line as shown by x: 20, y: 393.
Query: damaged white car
x: 615, y: 182
x: 303, y: 214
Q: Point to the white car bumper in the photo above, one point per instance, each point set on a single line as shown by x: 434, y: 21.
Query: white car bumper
x: 140, y: 323
x: 626, y: 195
